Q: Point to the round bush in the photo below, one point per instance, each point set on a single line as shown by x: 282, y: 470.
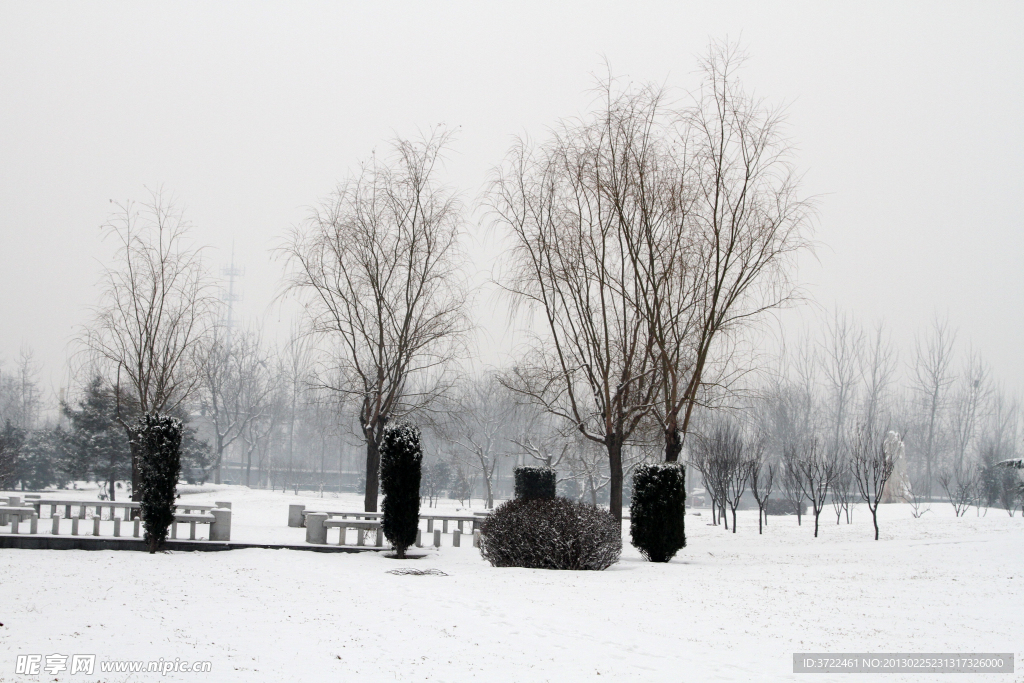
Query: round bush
x: 657, y: 511
x: 534, y: 482
x: 553, y: 533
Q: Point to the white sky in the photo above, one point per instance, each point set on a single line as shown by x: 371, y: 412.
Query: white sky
x: 908, y: 118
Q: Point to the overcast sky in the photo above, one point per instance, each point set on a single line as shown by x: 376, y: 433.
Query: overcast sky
x: 907, y: 117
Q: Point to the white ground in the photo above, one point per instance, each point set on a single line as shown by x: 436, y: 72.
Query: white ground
x: 730, y: 607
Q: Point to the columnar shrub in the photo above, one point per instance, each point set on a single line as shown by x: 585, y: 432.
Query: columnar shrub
x: 158, y: 440
x: 657, y: 511
x: 401, y: 461
x: 534, y: 482
x: 554, y: 533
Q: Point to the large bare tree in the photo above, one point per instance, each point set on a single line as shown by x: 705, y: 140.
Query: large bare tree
x: 378, y: 267
x: 932, y: 376
x: 726, y: 249
x: 570, y: 265
x: 155, y: 309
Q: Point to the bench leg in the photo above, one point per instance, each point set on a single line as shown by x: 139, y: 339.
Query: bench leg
x: 34, y: 525
x: 444, y: 526
x: 135, y: 531
x: 74, y: 526
x: 191, y: 531
x: 380, y: 538
x: 117, y: 527
x: 437, y: 539
x: 430, y: 525
x: 95, y: 526
x: 476, y: 539
x: 360, y: 537
x: 419, y: 538
x: 174, y: 530
x: 56, y: 525
x: 81, y: 512
x: 15, y: 520
x: 457, y: 538
x: 67, y: 511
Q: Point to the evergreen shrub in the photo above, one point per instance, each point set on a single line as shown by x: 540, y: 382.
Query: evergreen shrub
x: 534, y: 482
x: 401, y: 462
x: 158, y: 440
x: 657, y: 511
x: 554, y: 533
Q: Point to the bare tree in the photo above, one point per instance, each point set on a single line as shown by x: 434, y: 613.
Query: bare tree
x: 482, y: 416
x: 378, y: 265
x: 235, y: 387
x: 153, y: 315
x: 762, y: 481
x: 960, y: 486
x: 878, y: 362
x: 814, y: 468
x: 842, y: 349
x: 932, y: 377
x: 842, y: 487
x: 569, y: 264
x: 875, y: 453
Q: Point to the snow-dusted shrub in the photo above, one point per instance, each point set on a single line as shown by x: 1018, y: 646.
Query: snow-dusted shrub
x: 657, y: 511
x: 534, y: 482
x: 554, y: 533
x: 401, y: 462
x: 780, y: 506
x: 157, y: 440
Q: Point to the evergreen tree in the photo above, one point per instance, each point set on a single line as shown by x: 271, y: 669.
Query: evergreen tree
x: 158, y: 439
x: 99, y: 447
x: 401, y: 461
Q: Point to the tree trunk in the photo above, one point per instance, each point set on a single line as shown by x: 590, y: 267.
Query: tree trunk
x: 816, y: 515
x: 248, y: 467
x: 372, y: 474
x: 734, y: 520
x: 874, y: 519
x: 760, y: 514
x: 673, y: 444
x: 614, y: 445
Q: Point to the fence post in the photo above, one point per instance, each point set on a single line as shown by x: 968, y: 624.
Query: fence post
x: 437, y: 538
x: 34, y: 524
x: 135, y: 531
x: 95, y: 526
x: 220, y: 529
x: 419, y: 538
x: 74, y: 526
x: 56, y: 525
x: 476, y: 539
x: 117, y: 527
x: 457, y: 538
x: 316, y: 532
x: 295, y: 515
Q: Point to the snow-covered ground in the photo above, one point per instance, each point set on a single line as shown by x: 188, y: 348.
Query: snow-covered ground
x: 730, y: 607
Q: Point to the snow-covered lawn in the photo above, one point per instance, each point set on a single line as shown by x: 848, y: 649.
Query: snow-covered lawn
x: 731, y: 607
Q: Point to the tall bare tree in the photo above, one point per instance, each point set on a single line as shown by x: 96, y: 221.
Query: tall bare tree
x: 932, y: 377
x: 235, y: 386
x: 377, y: 265
x: 570, y: 265
x: 723, y: 256
x: 154, y: 312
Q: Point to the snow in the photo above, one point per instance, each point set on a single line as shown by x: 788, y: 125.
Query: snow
x: 730, y: 607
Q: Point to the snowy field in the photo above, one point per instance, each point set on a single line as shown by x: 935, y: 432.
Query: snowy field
x: 730, y: 607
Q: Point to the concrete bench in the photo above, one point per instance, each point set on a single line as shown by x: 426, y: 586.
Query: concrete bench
x: 297, y: 515
x: 317, y: 524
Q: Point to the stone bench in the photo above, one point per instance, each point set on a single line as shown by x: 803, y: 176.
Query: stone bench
x: 317, y: 524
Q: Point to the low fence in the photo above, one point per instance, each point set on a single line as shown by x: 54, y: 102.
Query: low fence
x: 90, y: 519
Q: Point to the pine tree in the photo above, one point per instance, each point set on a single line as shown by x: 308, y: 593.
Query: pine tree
x: 401, y: 461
